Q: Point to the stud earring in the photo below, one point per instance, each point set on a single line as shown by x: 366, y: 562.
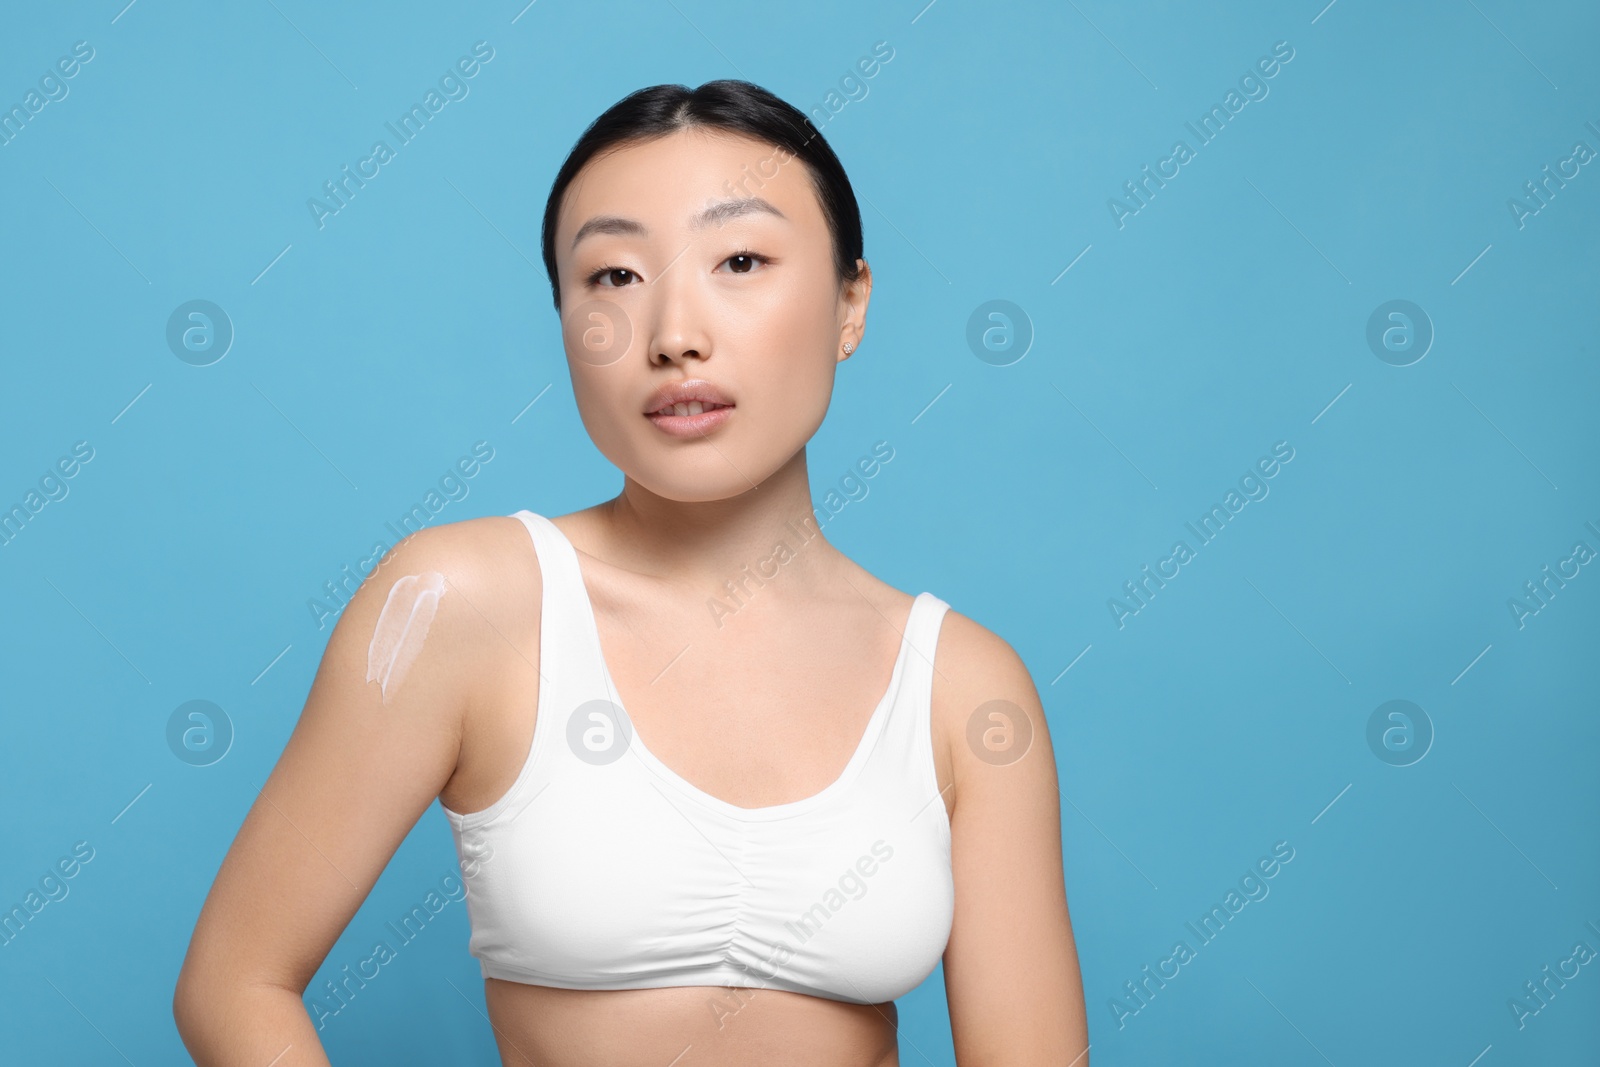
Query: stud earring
x: 849, y: 347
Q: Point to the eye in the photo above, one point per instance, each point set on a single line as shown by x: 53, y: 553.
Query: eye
x: 750, y: 259
x: 603, y: 272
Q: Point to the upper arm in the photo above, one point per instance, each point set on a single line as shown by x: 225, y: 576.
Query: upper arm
x: 357, y: 772
x: 1011, y: 965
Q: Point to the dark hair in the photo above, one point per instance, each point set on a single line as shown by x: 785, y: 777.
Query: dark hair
x: 726, y: 104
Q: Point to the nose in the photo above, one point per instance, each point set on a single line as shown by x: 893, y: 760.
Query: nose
x: 679, y: 326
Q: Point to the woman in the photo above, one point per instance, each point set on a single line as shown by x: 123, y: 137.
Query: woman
x: 635, y: 716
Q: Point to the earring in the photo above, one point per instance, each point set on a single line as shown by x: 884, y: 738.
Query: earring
x: 849, y: 347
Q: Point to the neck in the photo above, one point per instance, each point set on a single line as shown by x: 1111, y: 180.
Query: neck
x: 766, y: 533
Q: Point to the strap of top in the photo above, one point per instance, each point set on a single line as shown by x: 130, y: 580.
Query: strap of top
x: 923, y: 634
x: 903, y: 758
x: 570, y: 663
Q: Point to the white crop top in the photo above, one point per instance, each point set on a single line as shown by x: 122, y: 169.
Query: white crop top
x: 602, y: 868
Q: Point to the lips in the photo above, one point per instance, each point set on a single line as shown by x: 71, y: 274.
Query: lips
x: 688, y: 397
x: 691, y: 426
x: 689, y: 409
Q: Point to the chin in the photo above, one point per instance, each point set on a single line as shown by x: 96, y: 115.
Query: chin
x: 684, y: 488
x: 699, y: 476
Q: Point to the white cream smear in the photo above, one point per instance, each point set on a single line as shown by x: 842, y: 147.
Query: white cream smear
x: 402, y: 627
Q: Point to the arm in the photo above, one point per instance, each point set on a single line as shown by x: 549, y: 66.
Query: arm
x: 1011, y: 966
x: 354, y: 777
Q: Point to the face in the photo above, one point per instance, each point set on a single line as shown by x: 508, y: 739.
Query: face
x: 679, y: 276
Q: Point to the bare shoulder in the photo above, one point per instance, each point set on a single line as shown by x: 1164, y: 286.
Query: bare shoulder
x: 471, y: 550
x: 423, y: 655
x: 987, y: 708
x: 488, y: 587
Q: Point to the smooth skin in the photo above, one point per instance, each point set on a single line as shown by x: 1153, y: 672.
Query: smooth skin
x: 797, y: 670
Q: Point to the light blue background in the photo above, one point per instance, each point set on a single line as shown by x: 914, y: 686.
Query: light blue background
x: 1228, y: 314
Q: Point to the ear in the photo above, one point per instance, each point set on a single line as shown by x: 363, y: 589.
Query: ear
x: 853, y: 299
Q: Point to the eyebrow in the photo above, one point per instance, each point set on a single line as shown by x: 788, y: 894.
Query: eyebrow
x: 714, y: 214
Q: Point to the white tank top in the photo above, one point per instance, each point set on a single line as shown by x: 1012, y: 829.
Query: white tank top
x: 602, y: 868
